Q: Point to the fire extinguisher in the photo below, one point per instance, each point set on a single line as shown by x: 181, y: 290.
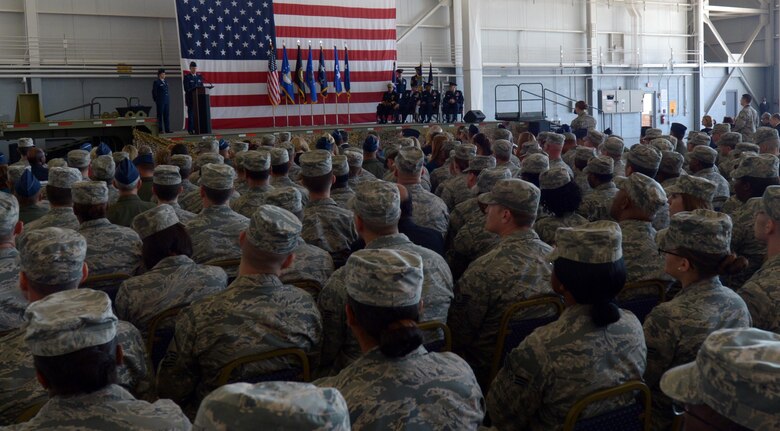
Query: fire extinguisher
x: 663, y: 117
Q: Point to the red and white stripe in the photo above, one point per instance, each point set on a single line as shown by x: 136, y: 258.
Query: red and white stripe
x: 240, y: 98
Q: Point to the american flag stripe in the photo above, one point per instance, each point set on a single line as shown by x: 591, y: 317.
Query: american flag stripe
x: 240, y: 98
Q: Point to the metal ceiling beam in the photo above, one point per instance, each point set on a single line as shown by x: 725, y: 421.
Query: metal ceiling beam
x: 719, y: 38
x: 422, y: 19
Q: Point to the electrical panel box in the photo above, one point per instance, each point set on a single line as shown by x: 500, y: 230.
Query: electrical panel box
x: 608, y: 101
x: 621, y: 101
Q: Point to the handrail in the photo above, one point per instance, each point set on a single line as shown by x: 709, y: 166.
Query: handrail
x: 127, y: 101
x: 520, y: 87
x: 91, y: 110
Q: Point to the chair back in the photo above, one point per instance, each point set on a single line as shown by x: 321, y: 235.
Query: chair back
x: 158, y: 338
x: 513, y: 330
x: 641, y: 297
x: 108, y: 283
x: 633, y: 417
x: 439, y: 335
x: 235, y: 370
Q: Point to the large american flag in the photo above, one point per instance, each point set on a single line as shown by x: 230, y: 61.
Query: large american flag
x: 231, y: 42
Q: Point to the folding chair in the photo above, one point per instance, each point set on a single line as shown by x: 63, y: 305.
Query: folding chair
x: 235, y: 370
x: 434, y: 330
x: 229, y: 265
x: 513, y: 331
x: 108, y: 283
x: 641, y: 297
x: 158, y: 338
x: 633, y: 417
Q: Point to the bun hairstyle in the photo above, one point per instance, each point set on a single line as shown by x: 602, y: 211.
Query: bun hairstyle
x: 394, y: 328
x: 595, y: 285
x: 709, y: 265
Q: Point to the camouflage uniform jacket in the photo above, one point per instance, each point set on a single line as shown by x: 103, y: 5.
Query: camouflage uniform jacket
x: 547, y: 226
x: 240, y: 185
x: 467, y: 238
x: 12, y: 303
x: 662, y: 218
x: 515, y: 270
x: 675, y: 330
x: 109, y: 408
x: 731, y: 206
x: 30, y: 213
x: 514, y: 170
x: 113, y: 194
x: 762, y: 295
x: 329, y: 227
x: 295, y: 172
x: 175, y: 280
x: 583, y: 121
x: 746, y: 123
x: 375, y: 167
x: 455, y: 190
x: 440, y: 175
x: 285, y: 181
x: 342, y: 196
x: 193, y: 202
x: 620, y: 168
x: 340, y: 347
x: 111, y: 249
x: 250, y: 201
x: 19, y: 388
x: 722, y: 191
x: 183, y: 215
x: 310, y: 263
x: 126, y: 208
x: 597, y: 204
x: 562, y: 362
x: 428, y: 210
x: 581, y: 179
x: 421, y: 390
x: 560, y: 164
x: 357, y: 179
x: 255, y: 314
x: 187, y: 186
x: 744, y: 243
x: 215, y: 233
x: 56, y: 217
x: 640, y: 251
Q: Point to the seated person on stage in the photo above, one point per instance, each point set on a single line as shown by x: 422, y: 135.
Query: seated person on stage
x: 388, y: 107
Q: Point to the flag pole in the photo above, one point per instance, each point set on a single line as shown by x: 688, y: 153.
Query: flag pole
x: 286, y: 112
x: 349, y: 103
x: 324, y: 115
x: 337, y: 108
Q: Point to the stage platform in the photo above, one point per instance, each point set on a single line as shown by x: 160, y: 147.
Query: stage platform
x: 119, y: 131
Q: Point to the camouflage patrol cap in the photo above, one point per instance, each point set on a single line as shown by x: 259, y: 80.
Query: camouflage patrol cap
x: 514, y: 194
x: 268, y: 140
x: 653, y: 133
x: 535, y: 164
x: 377, y: 202
x: 699, y: 187
x: 730, y: 139
x: 502, y: 148
x: 9, y: 213
x: 25, y: 143
x: 569, y: 136
x: 256, y: 161
x: 391, y: 150
x: 465, y: 151
x: 279, y: 156
x: 701, y: 230
x: 490, y: 176
x: 90, y: 192
x: 409, y: 160
x: 662, y: 144
x: 613, y: 146
x: 239, y: 146
x: 595, y: 137
x: 207, y: 146
x: 747, y: 147
x: 761, y: 166
x: 671, y: 139
x: 644, y: 156
x: 340, y: 165
x: 15, y: 172
x: 671, y: 163
x: 284, y: 136
x: 478, y: 163
x: 59, y: 163
x: 645, y: 193
x: 287, y: 146
x: 554, y: 139
x: 700, y: 139
x: 691, y: 135
x: 274, y: 229
x: 167, y: 175
x: 52, y: 255
x: 384, y: 277
x: 103, y: 168
x: 601, y: 165
x: 288, y: 198
x: 704, y: 154
x: 68, y: 321
x: 213, y: 158
x: 63, y: 177
x: 765, y: 134
x: 736, y: 373
x: 595, y: 243
x: 217, y: 177
x: 770, y: 202
x: 154, y: 220
x: 118, y: 156
x: 316, y: 163
x: 354, y: 158
x: 275, y: 405
x: 554, y: 178
x: 721, y: 128
x: 502, y: 134
x: 583, y: 154
x: 183, y: 161
x: 78, y: 159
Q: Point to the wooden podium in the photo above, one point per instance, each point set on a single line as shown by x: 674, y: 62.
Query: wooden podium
x: 201, y: 105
